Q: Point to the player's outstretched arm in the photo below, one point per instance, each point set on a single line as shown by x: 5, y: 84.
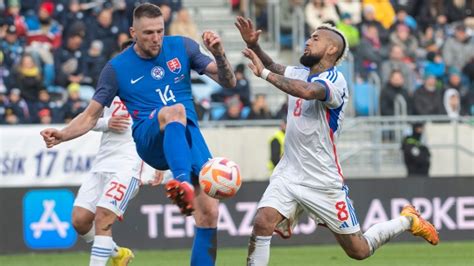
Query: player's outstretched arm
x: 250, y: 36
x: 294, y: 87
x: 220, y: 70
x: 79, y: 126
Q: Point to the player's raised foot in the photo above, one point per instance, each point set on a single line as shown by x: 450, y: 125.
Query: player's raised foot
x: 419, y: 226
x: 182, y: 194
x: 123, y: 258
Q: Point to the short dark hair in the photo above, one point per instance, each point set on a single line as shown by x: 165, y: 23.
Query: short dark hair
x: 147, y: 10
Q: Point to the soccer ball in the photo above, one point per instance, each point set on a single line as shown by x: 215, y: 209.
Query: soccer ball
x: 220, y: 178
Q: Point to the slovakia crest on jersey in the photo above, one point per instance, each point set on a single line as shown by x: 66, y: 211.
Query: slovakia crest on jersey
x: 157, y: 72
x: 174, y: 65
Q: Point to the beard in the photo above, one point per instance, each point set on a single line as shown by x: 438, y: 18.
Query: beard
x: 310, y: 60
x: 44, y: 21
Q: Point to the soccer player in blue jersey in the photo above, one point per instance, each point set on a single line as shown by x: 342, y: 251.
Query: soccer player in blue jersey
x: 152, y: 77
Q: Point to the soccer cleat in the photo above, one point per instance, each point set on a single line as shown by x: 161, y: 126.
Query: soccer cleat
x: 419, y: 226
x: 182, y: 194
x: 124, y: 257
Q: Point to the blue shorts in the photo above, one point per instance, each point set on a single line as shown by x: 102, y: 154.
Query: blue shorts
x: 149, y: 142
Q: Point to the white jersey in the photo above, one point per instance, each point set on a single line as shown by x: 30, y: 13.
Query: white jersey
x: 117, y: 151
x: 313, y: 127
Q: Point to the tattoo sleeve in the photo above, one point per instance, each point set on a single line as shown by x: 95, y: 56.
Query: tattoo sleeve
x: 224, y: 71
x: 267, y: 61
x: 298, y: 88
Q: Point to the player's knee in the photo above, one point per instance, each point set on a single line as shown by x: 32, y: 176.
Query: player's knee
x: 104, y: 219
x: 207, y: 217
x: 175, y: 113
x: 81, y: 225
x: 262, y: 225
x: 358, y: 254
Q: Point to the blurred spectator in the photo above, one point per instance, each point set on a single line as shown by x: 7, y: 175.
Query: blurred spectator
x: 398, y: 61
x: 468, y: 70
x: 277, y: 142
x: 103, y: 29
x: 455, y: 82
x: 286, y: 21
x: 55, y: 107
x: 18, y: 106
x: 233, y: 109
x: 415, y: 154
x: 167, y: 16
x: 458, y: 10
x: 260, y: 109
x: 458, y: 50
x: 240, y: 6
x: 68, y: 61
x: 184, y: 25
x: 402, y: 17
x: 45, y: 116
x: 242, y: 89
x: 13, y: 17
x: 434, y: 65
x: 403, y: 37
x: 352, y: 7
x: 346, y: 26
x: 431, y: 41
x: 10, y: 117
x: 27, y: 77
x: 370, y: 52
x: 74, y: 104
x: 73, y: 15
x: 368, y: 19
x: 428, y: 13
x: 427, y: 100
x: 383, y: 11
x: 261, y: 16
x: 43, y: 31
x: 389, y: 93
x: 3, y: 104
x: 318, y: 12
x: 12, y: 47
x: 93, y: 62
x: 452, y: 103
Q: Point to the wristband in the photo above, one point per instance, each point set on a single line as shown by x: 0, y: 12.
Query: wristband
x: 265, y: 73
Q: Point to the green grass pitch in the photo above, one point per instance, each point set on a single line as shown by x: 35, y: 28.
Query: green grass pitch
x: 419, y: 254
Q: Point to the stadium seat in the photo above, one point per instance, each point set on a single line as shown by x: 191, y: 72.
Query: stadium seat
x: 366, y: 99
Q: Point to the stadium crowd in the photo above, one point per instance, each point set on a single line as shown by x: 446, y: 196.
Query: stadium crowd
x: 53, y: 51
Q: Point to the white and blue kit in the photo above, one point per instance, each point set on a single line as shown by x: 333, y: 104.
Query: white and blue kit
x: 309, y: 176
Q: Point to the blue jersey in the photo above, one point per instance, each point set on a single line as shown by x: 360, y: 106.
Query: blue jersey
x: 146, y: 85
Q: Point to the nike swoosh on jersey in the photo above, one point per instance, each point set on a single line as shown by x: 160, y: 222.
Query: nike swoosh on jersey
x: 133, y: 81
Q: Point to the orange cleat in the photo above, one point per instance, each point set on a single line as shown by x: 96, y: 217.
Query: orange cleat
x: 419, y: 226
x: 182, y: 194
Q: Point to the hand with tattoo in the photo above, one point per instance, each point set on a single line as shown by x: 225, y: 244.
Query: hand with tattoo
x: 256, y: 65
x: 213, y: 43
x: 248, y: 32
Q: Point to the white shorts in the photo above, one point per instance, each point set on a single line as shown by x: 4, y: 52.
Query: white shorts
x: 331, y: 207
x: 112, y: 191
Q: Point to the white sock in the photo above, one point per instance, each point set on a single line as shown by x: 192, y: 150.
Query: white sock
x: 259, y: 250
x: 101, y: 250
x: 381, y: 233
x: 115, y: 251
x: 89, y: 236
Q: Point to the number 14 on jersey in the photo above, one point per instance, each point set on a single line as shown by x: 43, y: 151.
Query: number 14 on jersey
x: 167, y: 95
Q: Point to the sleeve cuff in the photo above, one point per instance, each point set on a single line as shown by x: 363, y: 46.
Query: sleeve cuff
x: 328, y: 91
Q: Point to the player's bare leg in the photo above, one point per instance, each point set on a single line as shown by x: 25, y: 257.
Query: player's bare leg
x: 83, y: 223
x: 265, y: 223
x: 104, y: 246
x: 360, y: 246
x: 172, y: 120
x: 205, y: 240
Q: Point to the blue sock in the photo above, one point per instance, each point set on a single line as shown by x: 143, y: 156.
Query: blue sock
x: 204, y: 247
x: 177, y: 152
